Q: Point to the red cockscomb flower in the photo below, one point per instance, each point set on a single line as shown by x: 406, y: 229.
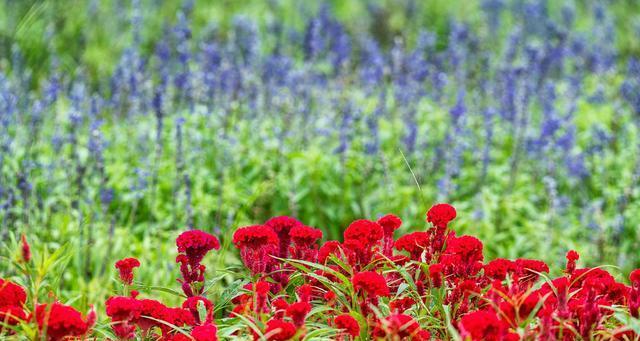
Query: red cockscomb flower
x: 634, y: 293
x: 498, y: 269
x: 298, y: 312
x: 398, y: 327
x: 124, y: 312
x: 279, y: 330
x: 415, y: 244
x: 282, y: 226
x: 441, y: 214
x: 25, y: 249
x: 463, y: 256
x: 484, y: 325
x: 256, y: 243
x: 400, y: 305
x: 348, y: 324
x: 371, y: 283
x: 11, y: 315
x: 11, y: 294
x: 191, y: 303
x: 435, y: 274
x: 389, y: 224
x: 304, y: 239
x: 195, y: 244
x: 634, y: 277
x: 572, y: 257
x: 330, y: 247
x: 151, y: 310
x: 125, y: 268
x: 207, y: 332
x: 365, y: 231
x: 62, y: 322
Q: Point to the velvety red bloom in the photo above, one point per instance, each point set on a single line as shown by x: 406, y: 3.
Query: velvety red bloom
x: 398, y: 327
x: 498, y: 269
x: 304, y: 239
x: 527, y: 269
x: 365, y: 231
x: 400, y: 305
x: 11, y: 294
x: 441, y: 214
x: 207, y: 332
x: 62, y: 322
x: 416, y: 244
x: 634, y: 277
x: 483, y: 325
x: 572, y: 257
x: 348, y: 324
x: 389, y: 224
x: 463, y: 256
x: 370, y: 282
x: 195, y: 244
x: 304, y: 292
x: 191, y: 303
x: 435, y: 274
x: 256, y: 243
x: 11, y: 315
x: 25, y: 249
x: 330, y: 247
x: 125, y: 268
x: 298, y: 312
x: 279, y: 306
x: 634, y: 293
x: 151, y: 310
x: 124, y: 312
x: 279, y: 330
x: 282, y: 226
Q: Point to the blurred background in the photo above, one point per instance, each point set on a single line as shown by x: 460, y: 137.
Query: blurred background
x: 125, y: 122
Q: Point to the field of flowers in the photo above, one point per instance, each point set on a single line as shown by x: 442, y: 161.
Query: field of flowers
x: 126, y: 125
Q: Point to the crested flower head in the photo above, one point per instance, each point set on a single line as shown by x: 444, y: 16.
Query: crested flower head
x: 11, y: 294
x: 372, y: 283
x: 441, y: 214
x: 61, y: 322
x: 348, y: 324
x: 195, y: 244
x: 125, y: 268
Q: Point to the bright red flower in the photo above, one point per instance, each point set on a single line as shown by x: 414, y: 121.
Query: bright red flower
x: 348, y: 324
x: 463, y: 256
x: 11, y: 315
x: 435, y: 274
x: 498, y: 269
x: 207, y: 332
x: 416, y: 244
x: 304, y: 236
x: 441, y: 214
x: 191, y: 303
x: 195, y: 244
x: 365, y: 231
x: 151, y: 310
x: 572, y: 257
x: 397, y: 327
x: 62, y: 322
x: 257, y: 243
x: 279, y: 330
x: 282, y: 226
x: 372, y: 283
x: 400, y: 305
x: 298, y: 312
x: 124, y: 312
x: 483, y: 325
x: 389, y: 224
x: 634, y: 277
x: 125, y: 268
x: 330, y: 247
x: 11, y: 294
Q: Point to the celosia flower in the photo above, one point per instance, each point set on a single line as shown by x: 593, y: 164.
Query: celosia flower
x: 279, y: 330
x: 372, y: 283
x: 435, y: 274
x: 572, y: 257
x: 11, y: 294
x: 400, y: 305
x: 365, y: 231
x: 11, y: 315
x: 416, y: 244
x: 61, y: 322
x: 330, y: 247
x: 256, y: 243
x: 399, y: 327
x: 441, y: 214
x: 195, y: 244
x: 125, y: 313
x: 207, y: 332
x: 463, y: 256
x: 150, y: 312
x: 298, y: 312
x: 634, y: 293
x: 304, y: 239
x: 389, y: 224
x: 347, y: 324
x: 282, y: 226
x: 25, y: 249
x: 125, y: 268
x: 304, y: 292
x: 191, y: 304
x: 484, y: 325
x: 498, y: 269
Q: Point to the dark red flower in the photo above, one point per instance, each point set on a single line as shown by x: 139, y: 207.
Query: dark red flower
x: 634, y: 277
x: 279, y: 330
x: 348, y: 324
x: 125, y: 268
x: 298, y: 312
x: 400, y: 305
x: 463, y: 256
x: 304, y: 239
x: 125, y: 313
x: 435, y: 274
x: 282, y: 226
x: 11, y: 294
x: 572, y: 257
x: 62, y: 322
x: 25, y: 249
x: 389, y: 224
x: 372, y: 283
x: 207, y: 332
x: 195, y: 244
x: 150, y: 312
x: 441, y: 214
x: 397, y: 327
x: 257, y: 243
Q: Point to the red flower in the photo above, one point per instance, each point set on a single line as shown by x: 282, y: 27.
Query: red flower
x: 191, y: 303
x: 365, y: 231
x: 150, y: 311
x: 304, y: 239
x: 463, y: 256
x: 389, y: 224
x: 304, y: 292
x: 330, y: 247
x: 416, y: 244
x: 435, y: 274
x: 25, y: 249
x: 298, y: 312
x: 400, y: 305
x: 279, y: 330
x: 634, y: 277
x: 398, y: 327
x: 124, y: 312
x: 62, y: 322
x: 498, y: 269
x: 256, y: 243
x: 125, y: 268
x: 572, y: 257
x: 483, y: 325
x: 195, y: 244
x: 207, y: 332
x: 348, y: 324
x: 11, y: 315
x: 282, y: 226
x: 441, y: 214
x: 370, y: 282
x: 11, y: 294
x: 634, y: 293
